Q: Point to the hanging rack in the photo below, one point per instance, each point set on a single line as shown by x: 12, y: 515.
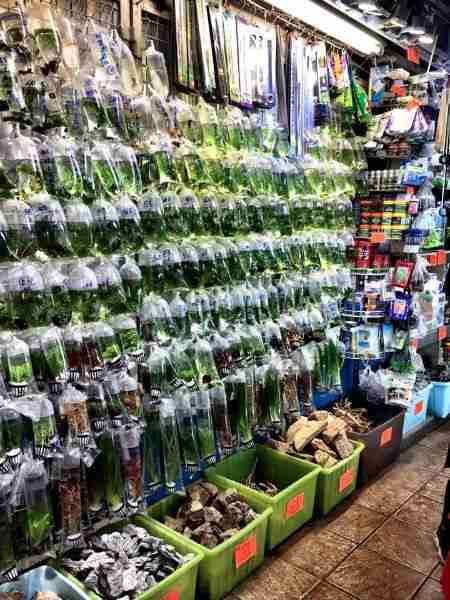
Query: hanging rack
x: 273, y: 15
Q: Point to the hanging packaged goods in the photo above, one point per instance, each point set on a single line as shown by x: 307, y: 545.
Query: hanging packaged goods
x: 172, y: 266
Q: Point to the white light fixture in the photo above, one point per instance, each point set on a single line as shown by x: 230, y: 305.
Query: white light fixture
x: 426, y: 38
x: 331, y: 24
x: 415, y: 27
x: 368, y: 6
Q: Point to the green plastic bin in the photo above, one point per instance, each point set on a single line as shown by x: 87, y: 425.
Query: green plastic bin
x: 180, y: 585
x: 225, y: 566
x: 338, y: 482
x: 296, y: 479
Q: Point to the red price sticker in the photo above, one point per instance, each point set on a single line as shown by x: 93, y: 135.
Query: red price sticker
x: 386, y: 437
x: 295, y: 505
x: 377, y: 237
x: 442, y: 257
x: 345, y: 480
x: 412, y: 104
x: 245, y: 551
x: 413, y: 55
x: 172, y: 595
x: 399, y: 90
x: 411, y: 191
x: 442, y: 332
x: 418, y: 408
x: 432, y: 258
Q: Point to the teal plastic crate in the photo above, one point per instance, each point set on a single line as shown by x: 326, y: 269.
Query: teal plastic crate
x: 416, y: 414
x: 439, y: 404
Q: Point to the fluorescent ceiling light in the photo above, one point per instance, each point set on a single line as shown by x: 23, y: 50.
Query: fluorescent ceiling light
x: 331, y: 24
x: 370, y: 7
x: 415, y: 27
x: 426, y: 38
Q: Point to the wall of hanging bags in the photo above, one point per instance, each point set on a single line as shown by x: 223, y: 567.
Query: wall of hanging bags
x: 171, y: 272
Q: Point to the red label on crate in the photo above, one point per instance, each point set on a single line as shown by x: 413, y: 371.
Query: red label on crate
x: 399, y: 90
x: 418, y: 408
x: 412, y: 104
x: 413, y: 55
x: 345, y: 480
x: 442, y: 257
x: 295, y: 505
x: 377, y: 237
x: 386, y: 437
x: 432, y: 258
x: 442, y: 332
x: 245, y: 551
x: 172, y: 595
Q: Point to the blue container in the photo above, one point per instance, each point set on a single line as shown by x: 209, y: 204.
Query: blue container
x: 324, y: 399
x: 416, y: 414
x: 440, y: 400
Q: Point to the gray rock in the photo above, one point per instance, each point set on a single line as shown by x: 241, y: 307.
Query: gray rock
x: 129, y: 579
x: 250, y: 516
x: 212, y: 515
x: 91, y: 582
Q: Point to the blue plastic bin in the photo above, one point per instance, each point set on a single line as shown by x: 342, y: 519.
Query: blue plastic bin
x: 324, y: 399
x: 439, y: 404
x: 416, y: 414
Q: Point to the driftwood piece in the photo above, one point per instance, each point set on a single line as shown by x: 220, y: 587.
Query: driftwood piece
x: 319, y: 444
x: 307, y: 433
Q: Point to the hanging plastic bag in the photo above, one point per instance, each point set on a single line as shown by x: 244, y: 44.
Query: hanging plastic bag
x: 187, y: 432
x: 173, y: 476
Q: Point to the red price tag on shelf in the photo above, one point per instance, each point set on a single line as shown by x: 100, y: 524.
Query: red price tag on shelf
x: 245, y: 551
x: 418, y: 408
x: 386, y: 437
x: 295, y: 505
x: 377, y: 237
x: 413, y: 55
x: 442, y: 333
x: 172, y: 595
x: 345, y: 480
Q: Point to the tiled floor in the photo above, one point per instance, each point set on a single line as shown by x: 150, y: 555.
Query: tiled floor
x: 378, y: 545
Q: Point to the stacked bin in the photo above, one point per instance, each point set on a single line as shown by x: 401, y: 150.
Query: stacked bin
x: 439, y: 405
x: 338, y: 482
x: 416, y: 414
x: 180, y: 584
x: 225, y: 566
x: 296, y: 480
x: 383, y: 442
